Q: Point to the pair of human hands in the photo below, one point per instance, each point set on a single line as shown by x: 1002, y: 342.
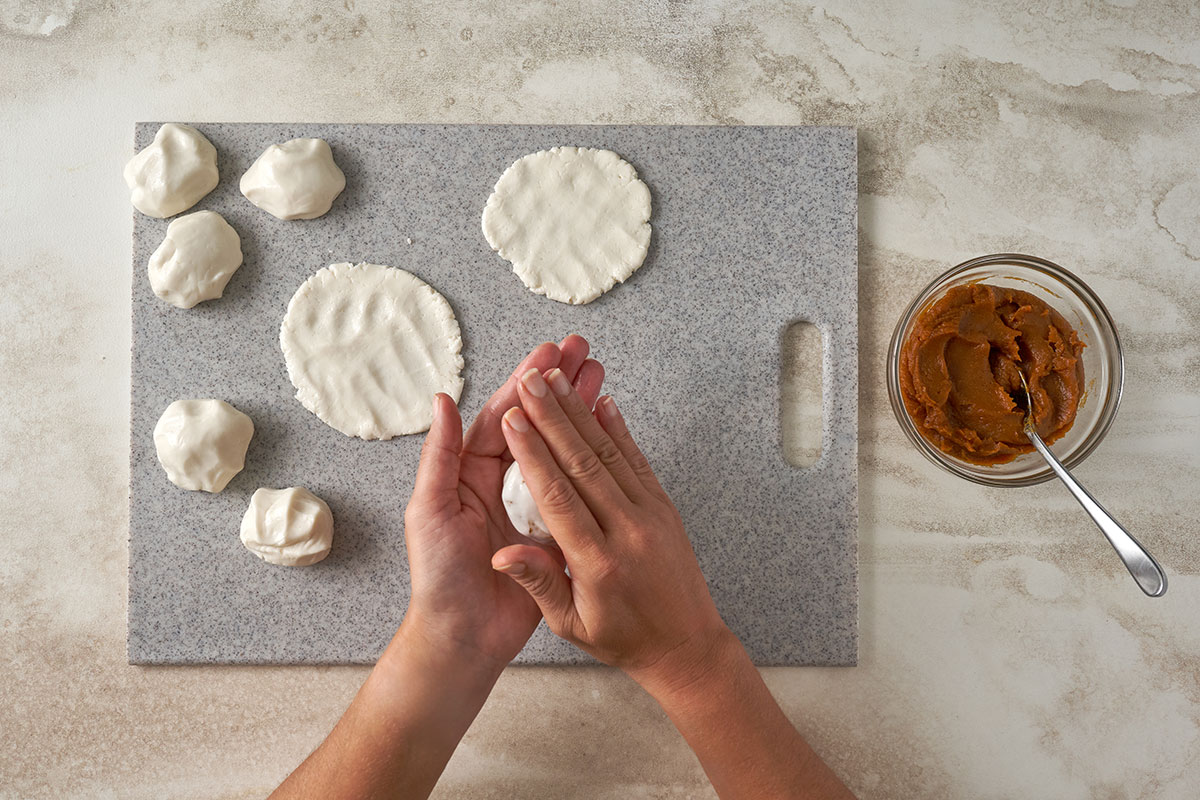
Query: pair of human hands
x: 635, y: 597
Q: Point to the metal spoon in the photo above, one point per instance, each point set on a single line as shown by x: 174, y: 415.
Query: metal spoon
x: 1141, y: 565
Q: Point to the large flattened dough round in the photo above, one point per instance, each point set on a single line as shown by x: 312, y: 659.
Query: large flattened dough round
x: 367, y: 347
x: 573, y: 221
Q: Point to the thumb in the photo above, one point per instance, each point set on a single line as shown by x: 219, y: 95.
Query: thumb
x: 547, y: 583
x: 437, y: 472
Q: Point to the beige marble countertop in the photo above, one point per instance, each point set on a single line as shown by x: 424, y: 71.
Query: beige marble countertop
x: 1005, y: 652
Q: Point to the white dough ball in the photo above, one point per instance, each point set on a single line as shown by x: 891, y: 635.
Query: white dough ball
x: 196, y: 259
x: 202, y: 443
x: 294, y: 180
x: 291, y: 527
x: 574, y: 222
x: 522, y: 510
x: 173, y: 173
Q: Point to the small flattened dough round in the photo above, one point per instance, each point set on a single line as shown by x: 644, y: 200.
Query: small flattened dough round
x: 173, y: 173
x: 290, y: 527
x: 202, y: 443
x: 294, y: 180
x: 196, y: 259
x: 573, y: 221
x: 522, y: 511
x: 367, y: 347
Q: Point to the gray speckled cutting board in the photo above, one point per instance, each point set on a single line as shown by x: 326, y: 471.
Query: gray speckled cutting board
x: 753, y: 229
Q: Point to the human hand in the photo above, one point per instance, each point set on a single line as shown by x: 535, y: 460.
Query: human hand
x: 455, y: 521
x: 635, y: 597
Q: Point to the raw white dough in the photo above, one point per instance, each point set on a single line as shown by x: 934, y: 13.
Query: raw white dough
x: 572, y: 220
x: 522, y: 510
x: 291, y: 527
x: 294, y: 180
x: 196, y: 260
x: 173, y: 173
x: 202, y: 443
x: 367, y: 347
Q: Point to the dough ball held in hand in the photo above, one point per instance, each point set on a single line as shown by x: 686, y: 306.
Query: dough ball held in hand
x: 290, y: 527
x: 196, y: 259
x: 522, y: 510
x: 173, y: 173
x: 202, y: 443
x: 294, y: 180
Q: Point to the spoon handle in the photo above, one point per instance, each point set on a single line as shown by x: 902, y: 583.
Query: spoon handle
x: 1141, y: 565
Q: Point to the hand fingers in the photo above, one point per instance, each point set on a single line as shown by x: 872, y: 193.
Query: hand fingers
x: 593, y: 434
x: 575, y: 458
x: 574, y: 350
x: 588, y: 381
x: 436, y: 486
x: 539, y: 574
x: 571, y: 523
x: 610, y: 418
x: 484, y: 437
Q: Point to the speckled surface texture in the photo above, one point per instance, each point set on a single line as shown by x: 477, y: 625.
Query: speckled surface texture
x: 753, y: 229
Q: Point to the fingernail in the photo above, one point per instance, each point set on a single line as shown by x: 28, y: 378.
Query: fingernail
x: 515, y: 569
x: 534, y: 383
x: 437, y: 407
x: 558, y: 382
x: 610, y: 407
x: 516, y: 420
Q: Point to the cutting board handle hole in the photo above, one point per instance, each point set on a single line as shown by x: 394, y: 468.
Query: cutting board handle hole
x: 801, y: 360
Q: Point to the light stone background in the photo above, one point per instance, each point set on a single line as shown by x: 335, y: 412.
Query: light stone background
x: 1005, y: 653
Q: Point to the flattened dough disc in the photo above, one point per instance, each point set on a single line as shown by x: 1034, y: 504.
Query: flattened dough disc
x: 367, y: 347
x: 574, y: 221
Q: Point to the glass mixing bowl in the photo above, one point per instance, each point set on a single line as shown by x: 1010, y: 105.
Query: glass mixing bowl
x: 1103, y: 368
